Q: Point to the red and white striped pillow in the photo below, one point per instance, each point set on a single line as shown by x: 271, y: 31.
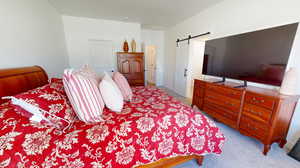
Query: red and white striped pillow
x: 84, y: 95
x: 123, y: 85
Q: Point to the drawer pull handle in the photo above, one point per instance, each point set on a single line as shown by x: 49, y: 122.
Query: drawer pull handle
x: 230, y: 104
x: 255, y: 112
x: 253, y: 128
x: 257, y: 101
x: 234, y: 93
x: 210, y: 96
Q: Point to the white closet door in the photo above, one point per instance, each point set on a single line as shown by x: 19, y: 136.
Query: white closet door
x: 151, y: 64
x: 101, y: 55
x: 182, y: 60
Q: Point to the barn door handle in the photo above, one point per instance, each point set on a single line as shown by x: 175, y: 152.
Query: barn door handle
x: 185, y: 72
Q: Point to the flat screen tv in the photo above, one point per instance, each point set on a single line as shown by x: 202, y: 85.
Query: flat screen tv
x: 259, y: 56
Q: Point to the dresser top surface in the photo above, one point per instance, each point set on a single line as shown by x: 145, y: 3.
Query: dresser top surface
x: 253, y: 89
x: 131, y: 53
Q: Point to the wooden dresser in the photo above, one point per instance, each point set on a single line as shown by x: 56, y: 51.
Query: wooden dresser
x: 131, y: 65
x: 263, y: 114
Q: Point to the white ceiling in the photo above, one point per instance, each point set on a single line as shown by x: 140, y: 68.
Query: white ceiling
x: 150, y: 13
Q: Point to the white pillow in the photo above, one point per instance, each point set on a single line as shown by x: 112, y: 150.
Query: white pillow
x: 111, y: 94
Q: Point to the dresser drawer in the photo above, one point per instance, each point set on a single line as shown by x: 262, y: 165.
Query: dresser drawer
x: 208, y: 109
x: 253, y: 128
x: 257, y: 113
x: 220, y: 114
x: 136, y: 82
x: 231, y: 92
x: 260, y: 100
x: 227, y: 102
x: 220, y: 110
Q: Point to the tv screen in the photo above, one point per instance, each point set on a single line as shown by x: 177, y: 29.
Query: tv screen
x: 259, y: 56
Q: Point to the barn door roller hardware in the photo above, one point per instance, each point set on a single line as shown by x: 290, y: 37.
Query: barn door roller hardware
x: 191, y: 37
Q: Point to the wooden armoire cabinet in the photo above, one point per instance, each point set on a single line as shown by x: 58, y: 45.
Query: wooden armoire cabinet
x: 131, y: 65
x: 263, y: 114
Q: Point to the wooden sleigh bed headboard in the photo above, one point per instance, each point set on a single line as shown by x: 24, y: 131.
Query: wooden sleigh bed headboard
x: 17, y: 80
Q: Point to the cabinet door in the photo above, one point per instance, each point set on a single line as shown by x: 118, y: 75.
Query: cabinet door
x: 124, y: 66
x: 132, y: 67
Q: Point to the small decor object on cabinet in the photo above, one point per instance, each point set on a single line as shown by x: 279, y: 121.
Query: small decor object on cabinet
x: 125, y: 46
x: 289, y: 83
x: 133, y: 45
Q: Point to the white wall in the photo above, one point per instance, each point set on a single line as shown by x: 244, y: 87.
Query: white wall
x: 233, y: 17
x: 79, y: 30
x: 31, y: 33
x: 156, y: 38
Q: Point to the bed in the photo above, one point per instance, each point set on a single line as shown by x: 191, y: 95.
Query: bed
x: 154, y: 130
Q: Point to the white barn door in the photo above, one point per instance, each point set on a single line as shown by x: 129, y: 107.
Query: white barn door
x: 181, y: 72
x: 189, y: 61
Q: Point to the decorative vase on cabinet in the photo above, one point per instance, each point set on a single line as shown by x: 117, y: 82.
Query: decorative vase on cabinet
x: 133, y: 45
x: 125, y: 46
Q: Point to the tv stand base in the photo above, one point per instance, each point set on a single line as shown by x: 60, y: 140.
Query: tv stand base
x: 222, y: 81
x: 242, y: 86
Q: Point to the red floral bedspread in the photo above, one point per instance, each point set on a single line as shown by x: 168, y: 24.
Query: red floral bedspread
x: 153, y: 126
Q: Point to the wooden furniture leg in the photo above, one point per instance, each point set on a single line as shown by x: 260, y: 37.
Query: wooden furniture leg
x: 282, y: 143
x: 200, y: 160
x: 266, y: 149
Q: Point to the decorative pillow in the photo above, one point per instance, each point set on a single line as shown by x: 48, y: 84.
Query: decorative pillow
x: 45, y: 105
x: 84, y: 95
x: 123, y: 85
x: 88, y: 71
x: 111, y: 94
